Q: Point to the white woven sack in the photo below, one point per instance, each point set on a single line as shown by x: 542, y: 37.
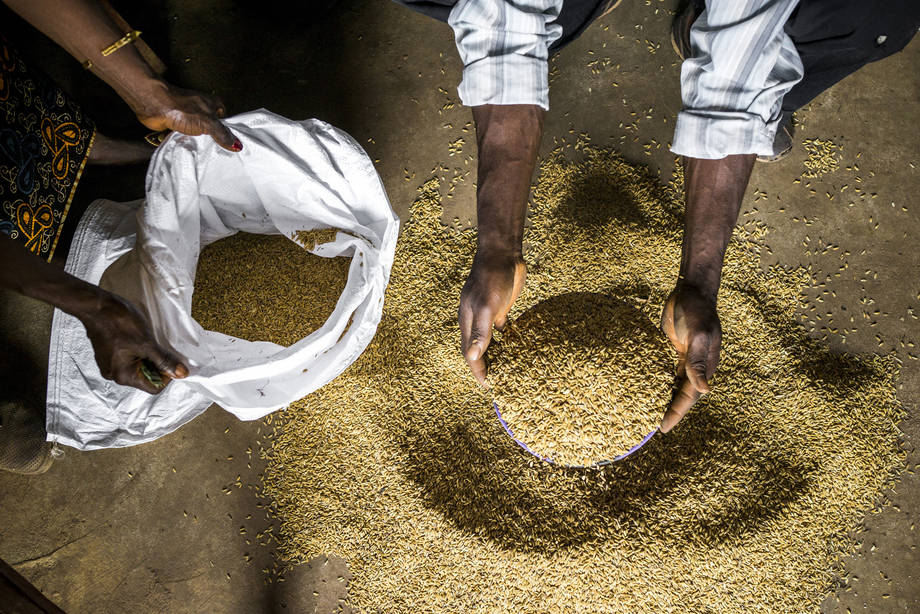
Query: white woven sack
x: 291, y: 176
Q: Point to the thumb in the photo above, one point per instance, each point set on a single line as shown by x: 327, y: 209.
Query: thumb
x: 222, y: 136
x: 480, y: 335
x: 168, y: 363
x: 697, y: 363
x: 667, y: 321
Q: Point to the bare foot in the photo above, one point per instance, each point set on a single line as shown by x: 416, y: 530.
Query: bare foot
x: 109, y: 151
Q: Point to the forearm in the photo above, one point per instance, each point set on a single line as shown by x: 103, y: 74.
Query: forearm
x: 83, y: 29
x: 25, y: 273
x: 715, y: 189
x: 508, y: 137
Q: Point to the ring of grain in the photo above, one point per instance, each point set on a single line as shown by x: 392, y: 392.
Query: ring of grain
x: 581, y: 378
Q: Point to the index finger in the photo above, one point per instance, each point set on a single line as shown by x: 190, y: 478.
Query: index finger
x: 222, y: 135
x: 667, y: 324
x: 684, y: 398
x: 475, y: 339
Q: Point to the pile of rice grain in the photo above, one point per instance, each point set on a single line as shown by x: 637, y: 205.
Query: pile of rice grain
x: 400, y: 466
x: 823, y: 157
x: 266, y: 287
x: 580, y: 378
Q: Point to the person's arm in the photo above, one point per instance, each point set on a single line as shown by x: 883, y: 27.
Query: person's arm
x: 119, y: 333
x: 508, y: 137
x: 715, y: 189
x: 504, y: 47
x: 84, y: 29
x: 742, y: 65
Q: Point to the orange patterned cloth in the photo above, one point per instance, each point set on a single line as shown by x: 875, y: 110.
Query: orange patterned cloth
x: 44, y: 140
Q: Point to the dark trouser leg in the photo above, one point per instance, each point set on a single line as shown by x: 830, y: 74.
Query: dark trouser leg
x: 835, y: 38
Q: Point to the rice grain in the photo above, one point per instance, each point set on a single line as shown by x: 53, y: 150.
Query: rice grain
x: 401, y: 467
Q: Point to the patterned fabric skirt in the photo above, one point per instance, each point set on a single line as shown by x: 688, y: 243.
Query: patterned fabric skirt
x: 44, y: 141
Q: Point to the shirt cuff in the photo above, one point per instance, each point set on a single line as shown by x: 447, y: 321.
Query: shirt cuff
x: 712, y: 135
x: 506, y: 79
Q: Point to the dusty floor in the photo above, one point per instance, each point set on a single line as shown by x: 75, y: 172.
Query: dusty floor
x: 176, y: 525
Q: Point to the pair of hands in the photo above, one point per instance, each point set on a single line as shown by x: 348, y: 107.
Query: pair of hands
x: 689, y: 320
x: 121, y: 337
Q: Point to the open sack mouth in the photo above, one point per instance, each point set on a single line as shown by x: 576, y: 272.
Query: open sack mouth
x: 301, y: 186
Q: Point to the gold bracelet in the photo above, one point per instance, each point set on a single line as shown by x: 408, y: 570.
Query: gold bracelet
x: 127, y: 39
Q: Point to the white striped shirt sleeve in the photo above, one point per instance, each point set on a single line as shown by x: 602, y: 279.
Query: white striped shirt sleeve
x: 504, y: 47
x: 732, y: 88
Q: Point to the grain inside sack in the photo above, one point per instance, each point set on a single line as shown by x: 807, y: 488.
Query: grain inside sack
x: 267, y: 287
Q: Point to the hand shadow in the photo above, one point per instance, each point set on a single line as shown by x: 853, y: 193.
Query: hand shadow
x: 704, y: 483
x: 710, y: 480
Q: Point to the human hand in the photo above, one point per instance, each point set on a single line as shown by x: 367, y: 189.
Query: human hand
x: 691, y: 323
x: 494, y: 283
x: 125, y: 347
x: 168, y: 107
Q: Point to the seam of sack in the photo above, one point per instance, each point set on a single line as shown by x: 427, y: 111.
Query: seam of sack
x: 64, y: 332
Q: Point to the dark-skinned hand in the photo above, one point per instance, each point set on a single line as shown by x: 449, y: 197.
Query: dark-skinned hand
x: 692, y: 325
x: 494, y: 283
x: 122, y: 339
x: 186, y: 111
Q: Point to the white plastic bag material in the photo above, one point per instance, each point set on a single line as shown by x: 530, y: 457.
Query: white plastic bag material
x: 291, y: 176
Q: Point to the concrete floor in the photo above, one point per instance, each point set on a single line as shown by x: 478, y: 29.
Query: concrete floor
x: 177, y: 525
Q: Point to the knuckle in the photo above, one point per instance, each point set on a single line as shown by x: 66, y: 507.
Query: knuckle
x: 699, y: 365
x: 684, y: 399
x: 479, y: 333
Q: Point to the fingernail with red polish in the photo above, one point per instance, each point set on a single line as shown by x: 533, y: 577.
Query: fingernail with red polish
x: 237, y: 146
